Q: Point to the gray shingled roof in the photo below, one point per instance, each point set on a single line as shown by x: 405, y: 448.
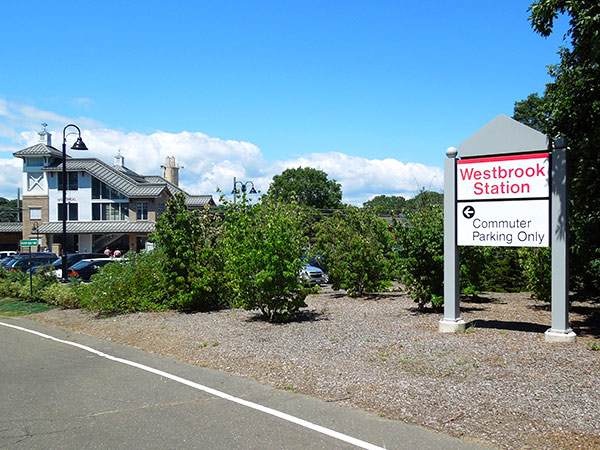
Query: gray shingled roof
x: 190, y: 200
x: 131, y: 174
x: 124, y: 180
x: 39, y: 150
x: 11, y: 227
x: 97, y: 227
x: 199, y: 200
x: 174, y: 189
x: 119, y: 179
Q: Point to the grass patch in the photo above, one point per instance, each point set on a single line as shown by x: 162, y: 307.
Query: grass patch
x: 594, y: 346
x: 9, y: 307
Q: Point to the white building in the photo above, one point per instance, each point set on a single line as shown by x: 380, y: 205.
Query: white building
x: 107, y: 206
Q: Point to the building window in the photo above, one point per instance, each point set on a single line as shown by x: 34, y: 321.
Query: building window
x: 142, y: 211
x: 73, y: 211
x: 102, y: 191
x: 110, y: 211
x: 35, y: 213
x: 161, y: 209
x: 72, y: 181
x: 35, y: 162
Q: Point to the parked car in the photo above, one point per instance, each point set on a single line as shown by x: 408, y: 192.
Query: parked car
x: 5, y: 253
x: 318, y: 261
x: 72, y: 258
x: 85, y: 268
x: 25, y: 261
x: 4, y: 261
x: 313, y: 275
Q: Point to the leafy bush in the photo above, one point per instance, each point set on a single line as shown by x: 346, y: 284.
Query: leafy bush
x: 135, y: 284
x: 421, y: 255
x: 536, y: 264
x: 354, y: 243
x: 17, y: 285
x: 193, y: 265
x: 59, y: 294
x: 263, y: 245
x: 490, y: 269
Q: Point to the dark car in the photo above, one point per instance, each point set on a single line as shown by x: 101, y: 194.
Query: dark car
x: 25, y: 261
x: 86, y: 268
x: 4, y: 261
x: 72, y: 258
x: 10, y: 259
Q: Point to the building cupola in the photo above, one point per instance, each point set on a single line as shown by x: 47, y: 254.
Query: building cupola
x: 45, y: 137
x: 119, y: 159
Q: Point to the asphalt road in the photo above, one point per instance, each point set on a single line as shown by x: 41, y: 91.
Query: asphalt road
x: 56, y: 395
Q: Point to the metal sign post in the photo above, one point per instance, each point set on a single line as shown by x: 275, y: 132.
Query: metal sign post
x: 29, y: 243
x: 560, y: 331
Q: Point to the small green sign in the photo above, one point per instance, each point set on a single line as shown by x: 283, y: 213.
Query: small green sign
x: 29, y: 243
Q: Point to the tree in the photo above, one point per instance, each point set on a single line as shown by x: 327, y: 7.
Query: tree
x: 532, y: 112
x: 263, y: 247
x: 193, y: 264
x: 307, y: 186
x: 9, y: 212
x: 421, y: 254
x: 572, y: 105
x: 423, y: 200
x: 354, y: 243
x: 386, y: 204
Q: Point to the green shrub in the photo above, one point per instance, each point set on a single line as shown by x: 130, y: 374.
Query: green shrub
x: 354, y: 243
x: 17, y: 285
x: 263, y: 246
x: 59, y: 294
x: 421, y: 255
x: 193, y: 268
x: 135, y: 284
x: 537, y: 269
x: 491, y: 269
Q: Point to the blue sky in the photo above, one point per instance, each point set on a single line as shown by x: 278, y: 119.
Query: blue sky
x: 371, y: 92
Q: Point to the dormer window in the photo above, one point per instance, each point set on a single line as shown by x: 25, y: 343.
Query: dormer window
x: 35, y: 162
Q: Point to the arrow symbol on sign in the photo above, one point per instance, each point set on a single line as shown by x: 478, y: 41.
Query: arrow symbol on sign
x: 468, y: 212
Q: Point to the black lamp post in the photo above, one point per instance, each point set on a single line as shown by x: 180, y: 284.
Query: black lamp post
x: 244, y: 188
x: 78, y: 145
x: 37, y: 233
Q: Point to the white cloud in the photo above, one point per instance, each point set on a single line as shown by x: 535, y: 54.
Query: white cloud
x: 83, y: 102
x: 11, y: 170
x: 207, y: 162
x: 18, y: 122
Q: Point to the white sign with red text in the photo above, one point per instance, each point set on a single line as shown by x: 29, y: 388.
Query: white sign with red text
x: 504, y: 201
x: 504, y: 177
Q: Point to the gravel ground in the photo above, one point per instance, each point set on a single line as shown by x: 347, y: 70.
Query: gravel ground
x: 499, y: 383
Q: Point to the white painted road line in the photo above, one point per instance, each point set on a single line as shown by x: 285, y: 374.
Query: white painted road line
x: 223, y: 395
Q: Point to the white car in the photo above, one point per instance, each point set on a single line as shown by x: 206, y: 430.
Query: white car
x: 313, y: 275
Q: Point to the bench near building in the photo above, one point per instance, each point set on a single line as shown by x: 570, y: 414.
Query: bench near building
x: 107, y: 206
